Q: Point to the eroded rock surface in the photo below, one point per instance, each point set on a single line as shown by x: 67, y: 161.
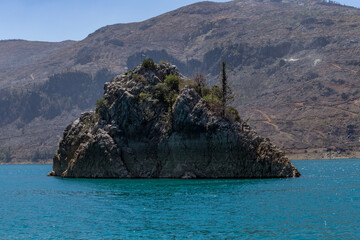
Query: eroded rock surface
x: 136, y: 134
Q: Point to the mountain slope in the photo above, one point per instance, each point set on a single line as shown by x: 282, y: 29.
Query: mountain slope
x: 294, y: 65
x: 17, y: 53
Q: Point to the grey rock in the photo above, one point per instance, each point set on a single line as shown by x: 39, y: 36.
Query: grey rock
x: 129, y: 137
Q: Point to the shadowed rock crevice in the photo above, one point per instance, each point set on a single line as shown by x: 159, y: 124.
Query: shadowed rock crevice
x: 144, y: 129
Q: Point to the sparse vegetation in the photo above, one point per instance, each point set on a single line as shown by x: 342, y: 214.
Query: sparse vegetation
x: 172, y: 82
x: 213, y: 98
x: 160, y: 91
x: 128, y: 72
x: 90, y: 122
x: 232, y: 114
x: 41, y: 155
x: 61, y: 93
x: 99, y: 103
x: 168, y: 91
x: 139, y: 78
x: 188, y: 82
x: 165, y: 92
x: 330, y: 2
x: 199, y: 84
x: 161, y: 56
x: 5, y: 155
x: 148, y: 63
x: 200, y: 79
x: 145, y: 96
x: 217, y: 98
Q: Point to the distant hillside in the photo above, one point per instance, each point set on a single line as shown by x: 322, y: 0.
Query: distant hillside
x: 17, y: 53
x: 294, y: 65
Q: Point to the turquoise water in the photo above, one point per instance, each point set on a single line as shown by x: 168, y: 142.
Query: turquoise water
x: 322, y: 204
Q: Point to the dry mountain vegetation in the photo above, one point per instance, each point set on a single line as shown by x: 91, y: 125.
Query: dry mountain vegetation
x: 294, y: 67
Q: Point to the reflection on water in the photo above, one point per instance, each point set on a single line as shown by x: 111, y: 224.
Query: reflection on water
x: 321, y: 204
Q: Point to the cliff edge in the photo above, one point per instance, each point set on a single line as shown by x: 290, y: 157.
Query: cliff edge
x: 154, y: 123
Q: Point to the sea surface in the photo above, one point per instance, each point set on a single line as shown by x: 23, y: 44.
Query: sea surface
x: 324, y: 203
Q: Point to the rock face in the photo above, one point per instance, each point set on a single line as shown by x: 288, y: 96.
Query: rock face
x: 135, y: 133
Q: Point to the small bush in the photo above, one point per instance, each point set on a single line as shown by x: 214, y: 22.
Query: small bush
x: 128, y: 72
x: 99, y: 103
x: 202, y: 91
x: 165, y: 93
x: 212, y: 98
x: 232, y: 114
x: 90, y: 122
x: 139, y: 78
x: 148, y: 63
x: 171, y: 98
x: 145, y: 96
x: 200, y: 79
x: 5, y: 154
x: 188, y: 82
x: 160, y: 91
x: 172, y: 82
x: 216, y: 91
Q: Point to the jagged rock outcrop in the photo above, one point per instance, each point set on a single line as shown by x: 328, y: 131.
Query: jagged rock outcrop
x: 137, y: 132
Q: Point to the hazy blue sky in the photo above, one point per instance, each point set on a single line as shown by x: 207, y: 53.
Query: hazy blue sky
x: 57, y: 20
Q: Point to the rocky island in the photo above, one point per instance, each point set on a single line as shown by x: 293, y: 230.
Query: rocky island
x: 154, y: 123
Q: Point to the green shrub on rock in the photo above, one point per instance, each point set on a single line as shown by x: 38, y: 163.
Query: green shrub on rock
x: 148, y: 63
x: 99, y: 103
x: 161, y: 91
x: 167, y: 91
x: 203, y: 90
x: 172, y: 82
x: 187, y: 82
x: 212, y: 98
x: 145, y: 96
x: 232, y: 114
x: 139, y: 78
